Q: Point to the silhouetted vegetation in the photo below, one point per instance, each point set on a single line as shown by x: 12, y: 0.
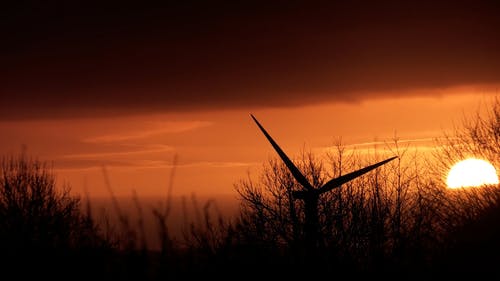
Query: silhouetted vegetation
x: 385, y: 220
x: 473, y: 240
x: 398, y: 221
x: 42, y: 229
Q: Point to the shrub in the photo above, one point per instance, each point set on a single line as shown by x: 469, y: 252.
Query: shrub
x: 42, y: 226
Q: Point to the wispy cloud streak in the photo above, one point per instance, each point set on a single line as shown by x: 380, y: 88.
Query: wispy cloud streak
x: 161, y: 128
x: 153, y: 149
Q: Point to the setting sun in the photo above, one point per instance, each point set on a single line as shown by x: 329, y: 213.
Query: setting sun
x: 471, y: 173
x: 244, y: 139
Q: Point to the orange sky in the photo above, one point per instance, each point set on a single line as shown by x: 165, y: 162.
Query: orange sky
x: 88, y: 85
x: 218, y: 148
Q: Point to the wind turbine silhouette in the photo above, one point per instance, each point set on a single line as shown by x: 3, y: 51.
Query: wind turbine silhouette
x: 310, y: 194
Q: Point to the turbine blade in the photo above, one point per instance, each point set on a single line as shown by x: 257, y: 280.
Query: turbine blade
x: 336, y: 182
x: 293, y: 169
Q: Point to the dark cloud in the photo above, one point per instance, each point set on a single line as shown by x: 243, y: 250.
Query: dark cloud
x: 61, y: 59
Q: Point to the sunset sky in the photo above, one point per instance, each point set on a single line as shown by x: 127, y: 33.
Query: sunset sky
x: 126, y: 86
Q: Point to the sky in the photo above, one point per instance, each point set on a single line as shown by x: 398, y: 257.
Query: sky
x: 123, y: 87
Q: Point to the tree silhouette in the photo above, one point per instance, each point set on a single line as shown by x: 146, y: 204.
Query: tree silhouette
x: 310, y: 193
x: 390, y: 218
x: 41, y: 225
x: 473, y: 213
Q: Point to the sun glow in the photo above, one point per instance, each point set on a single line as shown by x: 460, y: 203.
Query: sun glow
x: 471, y: 173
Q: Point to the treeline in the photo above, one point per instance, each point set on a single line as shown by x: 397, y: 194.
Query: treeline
x: 398, y: 221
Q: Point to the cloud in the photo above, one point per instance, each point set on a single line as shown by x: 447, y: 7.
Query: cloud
x: 135, y: 156
x: 390, y: 143
x: 98, y: 155
x: 80, y: 60
x: 84, y: 162
x: 219, y: 164
x: 165, y: 128
x: 390, y: 147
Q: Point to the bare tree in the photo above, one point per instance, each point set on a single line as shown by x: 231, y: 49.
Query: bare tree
x: 472, y: 214
x: 477, y: 136
x: 42, y: 224
x: 393, y: 215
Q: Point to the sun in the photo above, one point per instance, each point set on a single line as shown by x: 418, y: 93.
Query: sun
x: 471, y: 172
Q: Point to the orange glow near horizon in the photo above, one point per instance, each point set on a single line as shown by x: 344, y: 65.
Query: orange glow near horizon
x: 216, y: 149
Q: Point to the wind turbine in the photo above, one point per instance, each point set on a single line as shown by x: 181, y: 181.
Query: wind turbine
x: 309, y: 193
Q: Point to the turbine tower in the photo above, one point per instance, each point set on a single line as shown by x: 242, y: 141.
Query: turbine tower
x: 309, y: 193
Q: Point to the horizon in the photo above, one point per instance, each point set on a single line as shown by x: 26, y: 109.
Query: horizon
x: 140, y: 158
x: 92, y: 85
x: 146, y: 141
